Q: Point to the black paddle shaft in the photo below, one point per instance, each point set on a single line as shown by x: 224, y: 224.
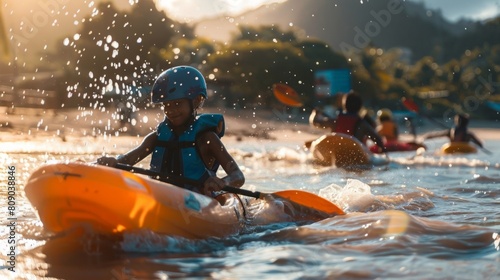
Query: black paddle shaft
x: 170, y: 180
x: 242, y: 192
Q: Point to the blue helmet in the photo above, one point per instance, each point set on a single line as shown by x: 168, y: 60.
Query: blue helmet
x: 178, y: 82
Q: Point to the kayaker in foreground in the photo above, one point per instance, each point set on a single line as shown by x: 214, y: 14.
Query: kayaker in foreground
x: 348, y: 121
x: 459, y: 133
x: 185, y: 147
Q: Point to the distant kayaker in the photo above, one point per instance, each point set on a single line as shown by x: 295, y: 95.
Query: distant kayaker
x: 459, y: 133
x: 338, y: 108
x: 185, y: 148
x: 348, y: 121
x: 387, y: 127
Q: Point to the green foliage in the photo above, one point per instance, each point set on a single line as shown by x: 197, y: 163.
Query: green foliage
x: 186, y: 51
x: 264, y: 33
x: 424, y: 72
x: 321, y: 56
x: 117, y: 49
x: 260, y: 57
x: 483, y: 35
x: 112, y: 48
x: 254, y: 68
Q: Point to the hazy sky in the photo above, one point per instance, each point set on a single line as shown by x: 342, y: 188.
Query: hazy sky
x: 186, y: 10
x: 455, y: 9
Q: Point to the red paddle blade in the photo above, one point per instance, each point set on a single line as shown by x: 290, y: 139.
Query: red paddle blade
x: 410, y: 104
x: 310, y: 200
x: 287, y: 95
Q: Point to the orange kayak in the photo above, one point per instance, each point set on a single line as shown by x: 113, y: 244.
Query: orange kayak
x: 109, y: 201
x: 458, y: 148
x: 342, y: 150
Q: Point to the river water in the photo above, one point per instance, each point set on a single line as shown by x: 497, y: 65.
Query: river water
x: 419, y: 217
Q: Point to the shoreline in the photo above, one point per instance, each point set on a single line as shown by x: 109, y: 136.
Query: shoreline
x: 241, y: 124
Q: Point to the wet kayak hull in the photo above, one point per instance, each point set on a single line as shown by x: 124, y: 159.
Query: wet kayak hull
x: 341, y: 150
x: 108, y: 201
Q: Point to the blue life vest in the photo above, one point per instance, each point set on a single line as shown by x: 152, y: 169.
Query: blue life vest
x: 178, y: 156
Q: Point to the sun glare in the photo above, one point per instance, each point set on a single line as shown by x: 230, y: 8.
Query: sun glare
x: 490, y: 12
x: 187, y: 10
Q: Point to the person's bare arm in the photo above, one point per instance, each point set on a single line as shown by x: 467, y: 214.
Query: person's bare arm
x: 213, y: 149
x: 320, y: 120
x: 437, y: 134
x: 135, y: 155
x: 475, y: 140
x: 369, y: 131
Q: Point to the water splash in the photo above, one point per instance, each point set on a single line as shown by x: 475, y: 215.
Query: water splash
x: 357, y: 196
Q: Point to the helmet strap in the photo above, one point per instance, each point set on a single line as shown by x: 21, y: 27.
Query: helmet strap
x: 193, y: 110
x: 193, y: 115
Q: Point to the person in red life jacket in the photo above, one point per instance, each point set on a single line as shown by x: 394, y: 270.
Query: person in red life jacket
x: 459, y: 133
x: 186, y: 147
x: 337, y: 104
x: 348, y: 121
x: 387, y: 128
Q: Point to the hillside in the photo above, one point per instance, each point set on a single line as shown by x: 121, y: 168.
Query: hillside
x: 45, y: 22
x: 344, y: 24
x: 347, y: 24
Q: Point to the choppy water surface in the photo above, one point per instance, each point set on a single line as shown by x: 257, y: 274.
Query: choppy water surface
x: 423, y: 217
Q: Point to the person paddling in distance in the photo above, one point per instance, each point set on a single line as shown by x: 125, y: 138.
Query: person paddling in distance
x: 387, y: 127
x: 459, y: 133
x: 348, y: 121
x: 186, y: 147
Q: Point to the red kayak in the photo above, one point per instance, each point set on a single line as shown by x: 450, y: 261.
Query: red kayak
x: 397, y: 146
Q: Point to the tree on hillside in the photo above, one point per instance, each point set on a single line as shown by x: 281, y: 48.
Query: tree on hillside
x: 113, y: 49
x: 483, y: 35
x: 254, y: 68
x: 469, y: 81
x: 262, y: 56
x: 321, y: 56
x: 264, y: 33
x: 481, y: 74
x: 185, y: 51
x: 374, y: 76
x: 424, y: 73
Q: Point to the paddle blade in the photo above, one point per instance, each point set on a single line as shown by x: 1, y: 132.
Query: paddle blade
x: 310, y: 200
x: 287, y: 95
x: 410, y: 104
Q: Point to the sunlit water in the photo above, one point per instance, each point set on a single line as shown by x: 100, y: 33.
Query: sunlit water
x: 420, y: 217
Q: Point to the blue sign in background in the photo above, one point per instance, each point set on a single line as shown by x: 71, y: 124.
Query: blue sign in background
x: 332, y: 81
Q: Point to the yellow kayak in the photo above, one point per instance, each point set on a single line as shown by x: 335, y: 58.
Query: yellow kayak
x: 458, y: 148
x: 109, y: 201
x: 341, y: 150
